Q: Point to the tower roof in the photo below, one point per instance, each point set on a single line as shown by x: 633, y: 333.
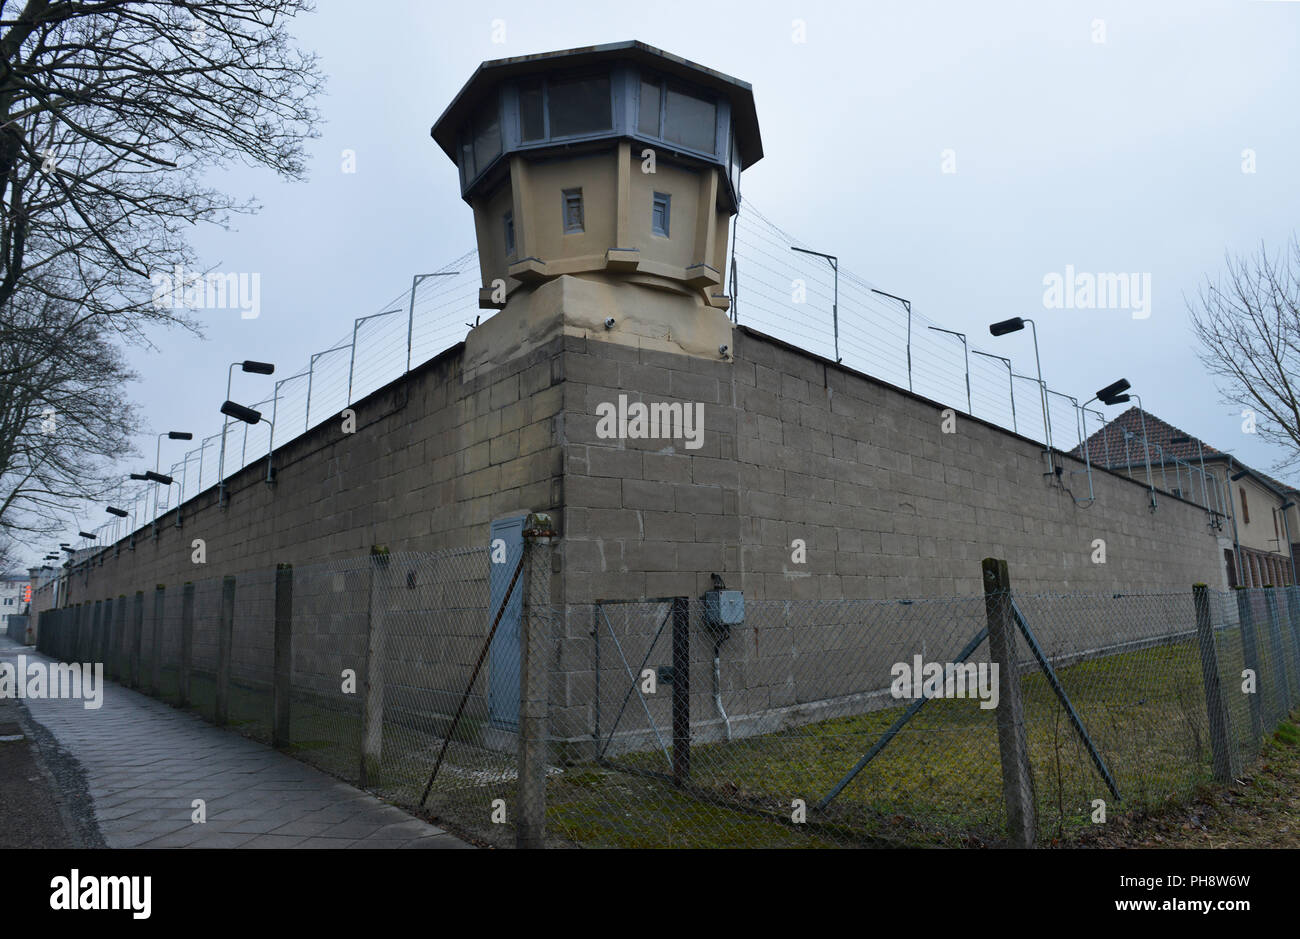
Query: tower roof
x: 490, y: 74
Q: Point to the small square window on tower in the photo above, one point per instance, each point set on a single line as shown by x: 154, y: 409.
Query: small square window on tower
x: 573, y: 211
x: 510, y: 233
x: 660, y: 212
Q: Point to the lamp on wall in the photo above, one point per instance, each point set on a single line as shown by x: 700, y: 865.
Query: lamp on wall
x: 1013, y: 325
x: 251, y: 416
x: 253, y: 367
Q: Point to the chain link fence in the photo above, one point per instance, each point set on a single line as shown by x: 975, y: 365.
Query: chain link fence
x: 384, y: 668
x: 807, y: 725
x: 450, y: 684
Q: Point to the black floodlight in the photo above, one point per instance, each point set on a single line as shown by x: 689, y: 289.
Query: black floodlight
x: 179, y: 435
x: 1237, y: 476
x: 70, y: 550
x: 1118, y: 399
x: 65, y: 544
x: 86, y: 534
x: 158, y: 477
x: 241, y: 413
x: 1107, y: 394
x: 114, y: 510
x: 260, y: 368
x: 1015, y: 324
x: 1173, y: 440
x: 140, y: 476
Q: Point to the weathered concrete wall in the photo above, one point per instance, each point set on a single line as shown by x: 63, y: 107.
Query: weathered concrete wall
x: 432, y: 462
x: 889, y: 506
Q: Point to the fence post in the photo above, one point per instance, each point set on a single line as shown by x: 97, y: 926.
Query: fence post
x: 1250, y: 660
x: 372, y: 716
x: 155, y: 660
x: 1225, y: 769
x: 1013, y: 746
x: 1293, y: 622
x: 96, y: 632
x: 120, y: 647
x: 83, y: 633
x: 110, y: 624
x: 187, y: 643
x: 225, y: 639
x: 535, y: 661
x: 283, y: 656
x: 137, y: 637
x: 1278, y: 657
x: 681, y: 690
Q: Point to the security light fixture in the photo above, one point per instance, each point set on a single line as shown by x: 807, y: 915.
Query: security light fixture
x: 86, y: 534
x: 1119, y: 399
x: 1015, y: 324
x: 120, y: 513
x: 158, y: 477
x: 248, y: 365
x: 1237, y: 476
x: 241, y: 413
x: 1108, y: 394
x: 179, y: 435
x: 69, y: 550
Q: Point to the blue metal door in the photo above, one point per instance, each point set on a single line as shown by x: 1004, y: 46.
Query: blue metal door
x: 506, y: 550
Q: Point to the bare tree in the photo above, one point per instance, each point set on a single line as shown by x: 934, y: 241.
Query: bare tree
x: 63, y: 415
x: 111, y: 114
x: 1248, y: 326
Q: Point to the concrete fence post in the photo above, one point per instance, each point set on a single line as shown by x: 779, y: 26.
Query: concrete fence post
x: 1225, y: 762
x: 1278, y: 654
x: 156, y: 643
x: 110, y: 626
x: 1250, y: 661
x: 97, y: 632
x: 137, y: 638
x: 372, y: 716
x: 283, y: 655
x: 536, y: 660
x: 1013, y: 745
x: 81, y: 652
x: 225, y: 642
x: 187, y: 644
x: 119, y: 641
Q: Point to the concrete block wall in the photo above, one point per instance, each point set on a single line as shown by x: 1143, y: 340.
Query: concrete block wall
x: 888, y: 505
x: 433, y: 461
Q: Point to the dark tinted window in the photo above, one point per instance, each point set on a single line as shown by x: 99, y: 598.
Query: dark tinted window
x: 648, y: 115
x: 580, y: 106
x: 530, y: 111
x: 690, y: 121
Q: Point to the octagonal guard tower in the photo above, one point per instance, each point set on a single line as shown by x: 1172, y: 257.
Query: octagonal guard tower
x: 603, y: 181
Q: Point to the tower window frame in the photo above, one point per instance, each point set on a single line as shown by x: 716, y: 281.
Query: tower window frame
x: 661, y: 204
x: 508, y: 222
x: 572, y: 213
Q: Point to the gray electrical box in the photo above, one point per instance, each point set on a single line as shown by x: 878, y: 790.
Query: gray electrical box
x: 724, y: 608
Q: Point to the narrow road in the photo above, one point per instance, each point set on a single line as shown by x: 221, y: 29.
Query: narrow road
x: 129, y: 773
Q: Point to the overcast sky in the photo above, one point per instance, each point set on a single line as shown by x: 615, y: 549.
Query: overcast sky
x: 1115, y: 156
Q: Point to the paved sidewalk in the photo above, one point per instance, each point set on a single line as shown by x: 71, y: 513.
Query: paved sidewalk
x: 146, y: 762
